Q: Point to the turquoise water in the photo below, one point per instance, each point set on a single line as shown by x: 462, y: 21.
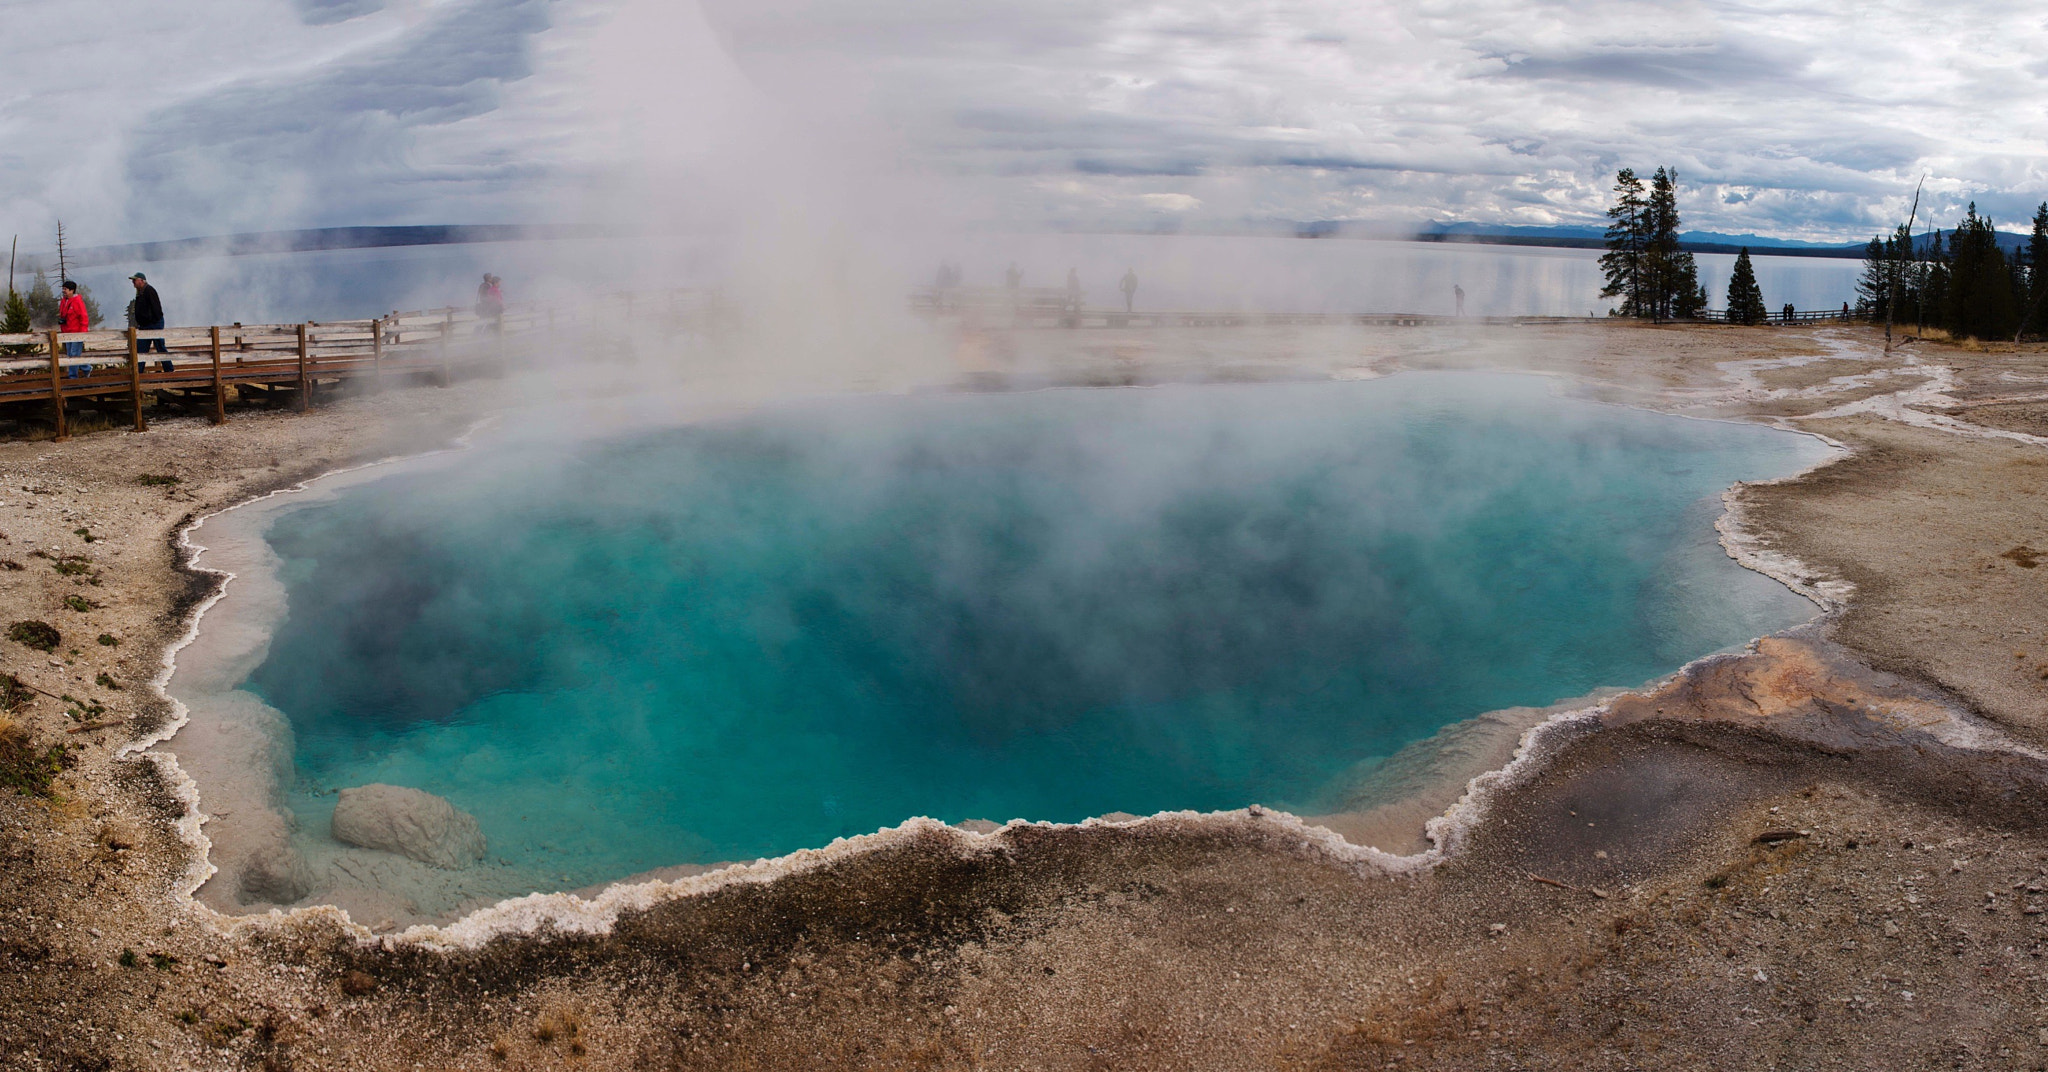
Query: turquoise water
x: 749, y: 636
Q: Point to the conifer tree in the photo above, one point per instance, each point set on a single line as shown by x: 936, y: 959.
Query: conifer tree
x: 2037, y: 271
x: 1745, y: 298
x: 1913, y: 267
x: 1627, y: 239
x: 14, y: 319
x: 1934, y: 290
x: 1874, y: 286
x: 1891, y: 275
x: 1980, y: 297
x: 1665, y: 265
x: 1688, y: 297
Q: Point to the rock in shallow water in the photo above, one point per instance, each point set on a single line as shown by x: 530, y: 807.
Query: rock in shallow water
x: 277, y: 874
x: 408, y: 822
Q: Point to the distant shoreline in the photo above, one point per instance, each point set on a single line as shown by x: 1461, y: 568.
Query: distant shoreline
x: 321, y: 239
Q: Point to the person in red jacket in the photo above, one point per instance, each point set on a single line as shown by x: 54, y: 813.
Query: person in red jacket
x: 71, y: 317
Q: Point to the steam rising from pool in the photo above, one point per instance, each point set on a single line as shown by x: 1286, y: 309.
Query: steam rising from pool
x: 744, y: 637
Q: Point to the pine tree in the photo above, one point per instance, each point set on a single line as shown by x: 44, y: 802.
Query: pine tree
x: 2037, y: 270
x: 1874, y: 286
x: 1663, y: 263
x: 1745, y: 298
x: 1911, y: 266
x: 1980, y: 296
x: 1688, y: 298
x: 1934, y: 290
x: 1627, y: 239
x: 14, y: 320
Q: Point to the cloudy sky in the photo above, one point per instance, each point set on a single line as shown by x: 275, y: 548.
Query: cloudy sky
x: 136, y: 119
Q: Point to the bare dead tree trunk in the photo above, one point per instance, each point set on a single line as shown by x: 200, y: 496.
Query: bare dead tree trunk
x: 1891, y: 302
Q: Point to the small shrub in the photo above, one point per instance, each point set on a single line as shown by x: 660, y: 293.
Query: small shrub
x: 84, y: 534
x: 72, y: 565
x: 128, y: 958
x: 80, y: 604
x: 13, y: 693
x: 163, y: 962
x: 109, y: 640
x: 156, y: 480
x: 25, y: 768
x: 558, y: 1023
x: 106, y: 681
x: 41, y: 636
x: 189, y: 1016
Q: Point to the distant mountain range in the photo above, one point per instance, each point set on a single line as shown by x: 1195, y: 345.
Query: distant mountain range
x: 1583, y: 237
x: 1577, y: 236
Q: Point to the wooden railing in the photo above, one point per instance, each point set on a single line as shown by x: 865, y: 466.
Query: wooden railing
x: 280, y: 362
x: 289, y: 364
x: 1796, y: 316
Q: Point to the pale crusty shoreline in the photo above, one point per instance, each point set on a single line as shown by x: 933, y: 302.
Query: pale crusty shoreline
x: 1096, y: 946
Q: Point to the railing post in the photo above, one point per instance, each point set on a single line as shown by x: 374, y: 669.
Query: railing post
x: 305, y: 383
x: 135, y: 381
x: 57, y: 387
x: 377, y: 354
x: 220, y: 401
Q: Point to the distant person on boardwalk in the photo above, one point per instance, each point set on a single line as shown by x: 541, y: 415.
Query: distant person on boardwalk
x: 490, y: 303
x: 1074, y: 289
x: 148, y: 315
x: 71, y: 316
x: 943, y: 285
x: 1129, y: 286
x: 1459, y: 293
x: 1013, y: 278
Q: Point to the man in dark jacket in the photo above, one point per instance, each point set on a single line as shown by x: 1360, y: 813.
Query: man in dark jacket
x: 149, y: 316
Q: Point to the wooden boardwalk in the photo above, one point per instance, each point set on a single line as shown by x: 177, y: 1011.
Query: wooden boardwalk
x: 275, y: 364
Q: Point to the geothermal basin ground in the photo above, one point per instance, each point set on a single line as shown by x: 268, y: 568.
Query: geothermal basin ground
x: 1824, y: 846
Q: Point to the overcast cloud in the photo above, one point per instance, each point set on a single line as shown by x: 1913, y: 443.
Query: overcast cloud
x: 135, y: 119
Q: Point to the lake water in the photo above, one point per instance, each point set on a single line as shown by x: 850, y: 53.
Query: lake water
x: 748, y: 636
x: 1175, y: 272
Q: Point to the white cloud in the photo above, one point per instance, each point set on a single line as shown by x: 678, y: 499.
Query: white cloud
x: 139, y: 120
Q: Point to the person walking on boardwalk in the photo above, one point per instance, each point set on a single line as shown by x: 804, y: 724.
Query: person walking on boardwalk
x: 1074, y: 290
x: 1459, y: 292
x: 71, y: 316
x: 1129, y: 286
x: 490, y: 304
x: 149, y: 316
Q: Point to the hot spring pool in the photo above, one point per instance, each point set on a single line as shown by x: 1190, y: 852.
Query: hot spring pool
x: 749, y: 636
